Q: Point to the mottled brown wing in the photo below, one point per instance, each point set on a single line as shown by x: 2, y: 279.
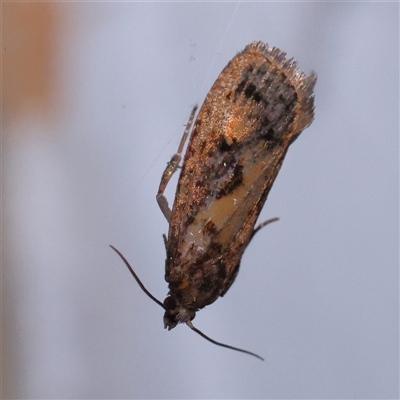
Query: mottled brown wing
x: 259, y: 104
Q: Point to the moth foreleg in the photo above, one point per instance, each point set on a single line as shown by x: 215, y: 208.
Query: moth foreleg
x: 172, y: 166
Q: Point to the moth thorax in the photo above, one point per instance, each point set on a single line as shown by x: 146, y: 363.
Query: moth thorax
x: 175, y: 312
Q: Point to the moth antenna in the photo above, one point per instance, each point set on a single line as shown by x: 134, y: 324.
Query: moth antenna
x: 137, y: 279
x: 190, y: 325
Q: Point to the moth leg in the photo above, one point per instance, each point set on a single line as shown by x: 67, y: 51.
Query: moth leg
x: 171, y: 168
x: 164, y: 236
x: 268, y: 221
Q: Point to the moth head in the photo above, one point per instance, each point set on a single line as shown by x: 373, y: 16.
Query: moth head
x: 175, y: 312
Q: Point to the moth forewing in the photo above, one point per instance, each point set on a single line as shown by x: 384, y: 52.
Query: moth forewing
x: 255, y: 109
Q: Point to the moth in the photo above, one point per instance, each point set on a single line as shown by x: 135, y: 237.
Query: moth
x: 257, y: 107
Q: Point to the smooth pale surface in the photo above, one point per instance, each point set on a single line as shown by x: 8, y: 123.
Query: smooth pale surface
x: 96, y: 96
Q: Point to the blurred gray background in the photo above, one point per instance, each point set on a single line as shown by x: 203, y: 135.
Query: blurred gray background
x: 95, y: 98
